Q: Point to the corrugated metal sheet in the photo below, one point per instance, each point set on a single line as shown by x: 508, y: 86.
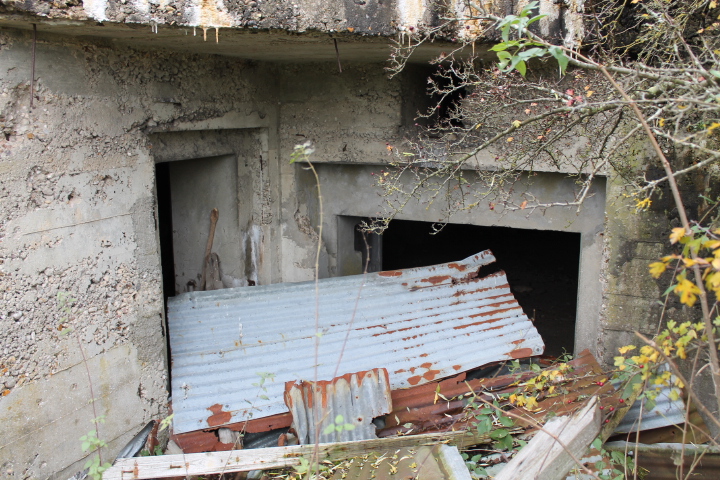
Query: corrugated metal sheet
x: 441, y: 406
x: 356, y: 397
x: 666, y: 412
x: 421, y: 324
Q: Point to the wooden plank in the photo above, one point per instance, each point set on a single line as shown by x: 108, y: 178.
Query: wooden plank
x: 544, y: 458
x: 276, y: 457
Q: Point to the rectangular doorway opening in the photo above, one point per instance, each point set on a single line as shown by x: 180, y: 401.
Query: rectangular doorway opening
x: 542, y: 267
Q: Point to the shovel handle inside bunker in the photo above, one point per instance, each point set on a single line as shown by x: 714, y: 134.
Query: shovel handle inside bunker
x: 213, y: 222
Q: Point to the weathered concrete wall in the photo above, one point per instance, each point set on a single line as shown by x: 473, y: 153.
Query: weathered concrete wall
x: 632, y: 299
x: 78, y: 215
x: 350, y: 191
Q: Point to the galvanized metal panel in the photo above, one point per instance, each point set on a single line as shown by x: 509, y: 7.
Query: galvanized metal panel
x: 666, y: 412
x: 356, y: 397
x: 421, y: 324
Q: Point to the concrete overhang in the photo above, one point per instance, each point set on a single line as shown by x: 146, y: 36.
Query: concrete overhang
x: 267, y: 45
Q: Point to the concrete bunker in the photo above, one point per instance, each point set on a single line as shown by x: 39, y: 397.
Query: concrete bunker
x: 553, y: 260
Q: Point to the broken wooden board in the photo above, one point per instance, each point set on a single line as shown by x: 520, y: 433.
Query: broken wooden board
x: 556, y: 448
x: 437, y: 462
x: 208, y: 463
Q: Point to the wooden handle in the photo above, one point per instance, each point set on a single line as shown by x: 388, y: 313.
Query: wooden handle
x: 214, y: 215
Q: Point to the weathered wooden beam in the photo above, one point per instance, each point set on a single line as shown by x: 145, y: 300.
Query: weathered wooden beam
x: 546, y: 458
x: 277, y: 457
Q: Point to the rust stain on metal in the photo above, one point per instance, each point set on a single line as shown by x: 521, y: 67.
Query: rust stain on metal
x: 391, y: 273
x: 457, y: 367
x: 521, y: 353
x: 429, y: 374
x: 322, y: 385
x: 460, y: 327
x: 419, y: 407
x: 457, y: 266
x: 218, y: 417
x: 437, y: 279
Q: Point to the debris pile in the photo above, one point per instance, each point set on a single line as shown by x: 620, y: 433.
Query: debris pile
x: 435, y: 361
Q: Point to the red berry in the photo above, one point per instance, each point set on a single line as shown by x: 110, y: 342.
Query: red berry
x: 641, y: 366
x: 601, y: 383
x: 602, y: 408
x: 607, y: 421
x: 612, y: 409
x: 622, y: 401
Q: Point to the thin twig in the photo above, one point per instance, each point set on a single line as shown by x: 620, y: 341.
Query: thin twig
x: 32, y: 69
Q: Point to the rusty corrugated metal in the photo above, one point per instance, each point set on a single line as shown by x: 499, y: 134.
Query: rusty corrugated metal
x: 421, y: 324
x: 441, y: 406
x: 356, y: 397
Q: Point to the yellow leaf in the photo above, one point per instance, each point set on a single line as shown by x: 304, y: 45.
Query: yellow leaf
x: 643, y: 204
x: 510, y: 139
x: 712, y: 4
x: 688, y: 291
x: 626, y: 348
x: 677, y: 234
x: 657, y: 269
x: 530, y: 403
x: 516, y: 123
x: 661, y: 122
x: 713, y: 126
x: 689, y: 262
x: 681, y: 352
x: 589, y: 93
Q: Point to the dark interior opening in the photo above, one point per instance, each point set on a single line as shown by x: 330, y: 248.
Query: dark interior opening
x: 165, y: 233
x: 542, y: 267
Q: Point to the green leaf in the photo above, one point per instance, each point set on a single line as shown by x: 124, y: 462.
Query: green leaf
x: 597, y: 443
x: 600, y: 465
x: 349, y: 426
x: 329, y: 429
x: 561, y: 58
x: 499, y: 434
x: 480, y: 471
x: 715, y: 73
x: 506, y: 421
x: 508, y: 442
x: 339, y: 419
x: 532, y: 53
x: 535, y: 19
